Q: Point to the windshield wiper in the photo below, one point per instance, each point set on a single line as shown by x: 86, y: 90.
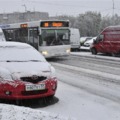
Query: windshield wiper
x: 14, y: 61
x: 21, y: 61
x: 35, y: 60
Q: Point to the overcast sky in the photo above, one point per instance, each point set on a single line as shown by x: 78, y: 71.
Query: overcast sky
x: 61, y: 7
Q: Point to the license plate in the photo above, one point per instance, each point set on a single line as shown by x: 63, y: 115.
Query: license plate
x: 35, y: 87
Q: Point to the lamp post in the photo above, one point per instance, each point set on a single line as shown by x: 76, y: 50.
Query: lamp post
x: 25, y: 7
x: 113, y: 10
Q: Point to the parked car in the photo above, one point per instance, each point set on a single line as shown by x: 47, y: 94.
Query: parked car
x: 89, y: 42
x: 108, y: 41
x: 24, y: 73
x: 84, y: 39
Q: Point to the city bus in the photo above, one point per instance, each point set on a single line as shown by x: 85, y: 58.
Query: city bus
x: 50, y: 37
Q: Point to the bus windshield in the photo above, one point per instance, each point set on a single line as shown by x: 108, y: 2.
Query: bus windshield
x: 55, y: 37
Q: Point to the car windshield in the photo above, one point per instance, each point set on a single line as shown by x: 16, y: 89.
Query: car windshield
x: 19, y: 54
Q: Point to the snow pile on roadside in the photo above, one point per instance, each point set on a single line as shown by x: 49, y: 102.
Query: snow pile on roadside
x: 12, y: 112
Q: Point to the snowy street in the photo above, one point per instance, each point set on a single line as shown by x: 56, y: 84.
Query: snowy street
x: 75, y: 102
x: 84, y: 97
x: 60, y: 60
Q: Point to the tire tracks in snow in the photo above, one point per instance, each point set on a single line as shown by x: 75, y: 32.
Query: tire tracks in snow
x: 99, y: 83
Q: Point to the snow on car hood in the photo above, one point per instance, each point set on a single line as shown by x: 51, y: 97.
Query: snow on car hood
x: 25, y: 69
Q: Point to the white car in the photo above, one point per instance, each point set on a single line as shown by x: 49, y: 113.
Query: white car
x: 89, y: 42
x: 84, y: 39
x: 24, y: 73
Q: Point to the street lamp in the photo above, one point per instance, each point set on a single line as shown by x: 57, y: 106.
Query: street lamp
x: 113, y: 10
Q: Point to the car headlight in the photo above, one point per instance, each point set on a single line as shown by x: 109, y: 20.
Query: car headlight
x: 45, y: 53
x: 68, y: 51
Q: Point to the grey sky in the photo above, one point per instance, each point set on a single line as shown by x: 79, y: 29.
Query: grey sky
x: 61, y: 7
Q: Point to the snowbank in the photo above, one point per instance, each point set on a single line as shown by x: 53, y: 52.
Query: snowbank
x: 12, y: 112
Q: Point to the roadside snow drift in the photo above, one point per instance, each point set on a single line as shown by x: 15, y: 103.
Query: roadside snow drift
x: 12, y: 112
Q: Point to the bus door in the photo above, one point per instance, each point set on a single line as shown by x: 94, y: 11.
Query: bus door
x: 33, y: 37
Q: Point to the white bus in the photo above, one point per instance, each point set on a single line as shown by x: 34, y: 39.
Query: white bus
x: 50, y: 37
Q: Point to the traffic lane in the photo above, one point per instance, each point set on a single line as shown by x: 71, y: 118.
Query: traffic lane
x: 77, y: 103
x: 98, y: 56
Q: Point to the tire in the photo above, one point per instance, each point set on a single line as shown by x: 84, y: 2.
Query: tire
x: 94, y: 51
x: 114, y: 54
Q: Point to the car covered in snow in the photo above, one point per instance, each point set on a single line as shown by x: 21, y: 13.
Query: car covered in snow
x: 86, y: 45
x: 84, y: 39
x: 89, y: 42
x: 25, y: 73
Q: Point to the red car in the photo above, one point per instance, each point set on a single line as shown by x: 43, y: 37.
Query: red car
x: 108, y: 41
x: 24, y: 73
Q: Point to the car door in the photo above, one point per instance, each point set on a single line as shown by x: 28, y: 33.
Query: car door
x: 100, y: 46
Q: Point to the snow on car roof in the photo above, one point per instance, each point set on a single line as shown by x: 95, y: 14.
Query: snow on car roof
x: 19, y: 51
x: 14, y: 44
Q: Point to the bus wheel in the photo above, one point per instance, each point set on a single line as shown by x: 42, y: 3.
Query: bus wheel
x: 94, y: 51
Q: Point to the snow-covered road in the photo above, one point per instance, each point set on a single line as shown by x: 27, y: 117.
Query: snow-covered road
x: 75, y: 102
x: 84, y: 98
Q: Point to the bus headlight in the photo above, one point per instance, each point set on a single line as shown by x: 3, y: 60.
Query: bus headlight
x: 68, y: 51
x: 45, y: 53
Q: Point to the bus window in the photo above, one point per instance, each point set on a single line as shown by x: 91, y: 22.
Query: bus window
x: 63, y: 36
x: 23, y: 35
x: 33, y: 37
x: 55, y: 37
x: 8, y: 35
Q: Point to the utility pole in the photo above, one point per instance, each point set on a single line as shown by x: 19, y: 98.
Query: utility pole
x: 26, y: 14
x: 113, y: 11
x: 25, y: 7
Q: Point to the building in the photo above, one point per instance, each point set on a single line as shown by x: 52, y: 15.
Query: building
x: 16, y: 17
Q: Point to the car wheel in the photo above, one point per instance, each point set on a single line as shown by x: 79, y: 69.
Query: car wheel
x: 94, y: 51
x: 114, y: 54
